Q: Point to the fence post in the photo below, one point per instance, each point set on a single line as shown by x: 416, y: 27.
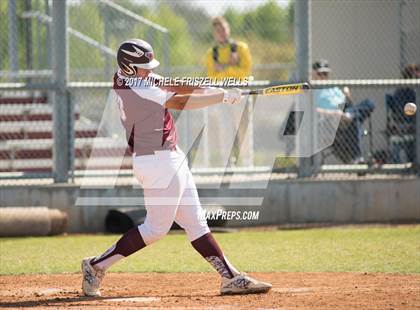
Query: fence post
x: 250, y: 159
x: 205, y: 137
x: 166, y: 54
x: 71, y: 134
x: 402, y: 33
x: 13, y: 37
x: 417, y: 138
x: 107, y: 31
x: 61, y: 147
x: 47, y: 37
x: 303, y: 60
x: 27, y: 4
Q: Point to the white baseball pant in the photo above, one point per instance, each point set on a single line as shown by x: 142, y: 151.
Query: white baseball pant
x: 170, y: 195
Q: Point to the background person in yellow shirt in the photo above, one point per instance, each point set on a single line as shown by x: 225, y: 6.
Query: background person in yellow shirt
x: 228, y: 58
x: 231, y: 59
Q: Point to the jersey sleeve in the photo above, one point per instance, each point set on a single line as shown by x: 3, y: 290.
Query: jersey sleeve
x: 154, y: 94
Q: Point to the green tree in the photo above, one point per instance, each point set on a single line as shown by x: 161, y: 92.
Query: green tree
x: 85, y: 17
x: 4, y: 23
x: 198, y: 20
x: 235, y: 20
x: 180, y: 42
x: 270, y: 22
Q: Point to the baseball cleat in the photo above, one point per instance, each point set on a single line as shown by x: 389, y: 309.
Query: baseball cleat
x: 92, y: 278
x: 243, y: 284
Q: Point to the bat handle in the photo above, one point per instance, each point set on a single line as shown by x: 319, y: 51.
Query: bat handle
x: 248, y: 92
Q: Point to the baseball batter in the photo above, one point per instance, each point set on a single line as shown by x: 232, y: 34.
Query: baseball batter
x: 161, y: 168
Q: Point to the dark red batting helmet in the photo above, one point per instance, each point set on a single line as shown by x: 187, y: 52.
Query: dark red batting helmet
x: 135, y: 53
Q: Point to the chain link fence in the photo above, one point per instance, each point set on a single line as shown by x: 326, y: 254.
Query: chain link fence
x: 373, y: 55
x: 365, y: 43
x: 374, y: 129
x: 181, y: 34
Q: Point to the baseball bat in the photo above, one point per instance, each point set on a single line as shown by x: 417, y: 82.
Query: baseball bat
x: 285, y: 89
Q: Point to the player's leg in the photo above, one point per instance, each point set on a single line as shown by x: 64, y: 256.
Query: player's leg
x: 161, y: 201
x: 94, y: 268
x: 128, y: 244
x: 190, y: 216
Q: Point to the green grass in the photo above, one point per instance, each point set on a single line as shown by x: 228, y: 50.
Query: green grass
x: 365, y: 249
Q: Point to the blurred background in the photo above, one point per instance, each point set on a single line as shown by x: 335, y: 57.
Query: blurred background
x: 179, y: 31
x: 57, y: 59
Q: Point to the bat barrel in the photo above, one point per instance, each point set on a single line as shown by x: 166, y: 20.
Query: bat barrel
x: 279, y: 89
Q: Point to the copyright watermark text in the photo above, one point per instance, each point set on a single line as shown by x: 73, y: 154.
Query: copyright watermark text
x: 184, y: 81
x: 232, y: 215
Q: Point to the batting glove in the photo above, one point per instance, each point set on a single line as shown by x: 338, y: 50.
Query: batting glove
x: 232, y: 96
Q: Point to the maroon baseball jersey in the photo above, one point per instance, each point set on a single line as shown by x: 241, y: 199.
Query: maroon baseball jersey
x: 148, y: 124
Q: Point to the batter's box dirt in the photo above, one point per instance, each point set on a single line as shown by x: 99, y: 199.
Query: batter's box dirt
x: 201, y: 291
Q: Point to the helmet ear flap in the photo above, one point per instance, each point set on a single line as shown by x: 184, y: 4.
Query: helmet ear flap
x: 135, y: 69
x: 128, y: 69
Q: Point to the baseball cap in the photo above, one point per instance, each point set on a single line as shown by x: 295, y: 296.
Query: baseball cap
x: 321, y: 66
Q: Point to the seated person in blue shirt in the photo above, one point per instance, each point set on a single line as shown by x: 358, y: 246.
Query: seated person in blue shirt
x: 334, y: 102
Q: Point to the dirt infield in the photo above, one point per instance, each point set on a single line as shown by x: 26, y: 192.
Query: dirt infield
x: 200, y: 291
